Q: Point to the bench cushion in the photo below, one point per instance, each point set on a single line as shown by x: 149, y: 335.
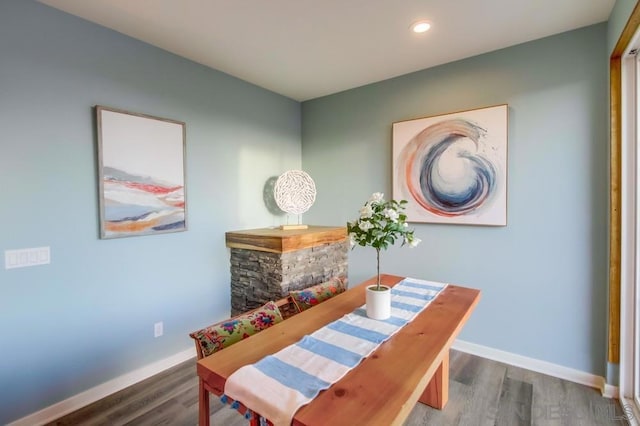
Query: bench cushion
x: 311, y: 296
x: 218, y: 336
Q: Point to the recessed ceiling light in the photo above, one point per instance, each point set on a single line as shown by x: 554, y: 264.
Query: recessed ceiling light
x: 420, y: 27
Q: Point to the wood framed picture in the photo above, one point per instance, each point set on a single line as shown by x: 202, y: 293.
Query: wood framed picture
x: 141, y: 174
x: 452, y: 168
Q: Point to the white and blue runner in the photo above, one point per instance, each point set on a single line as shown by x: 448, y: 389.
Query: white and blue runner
x: 279, y: 384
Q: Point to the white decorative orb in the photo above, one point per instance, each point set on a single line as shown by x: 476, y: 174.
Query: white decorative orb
x: 295, y: 192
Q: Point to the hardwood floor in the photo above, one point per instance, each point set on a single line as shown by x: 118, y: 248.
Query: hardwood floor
x: 481, y: 392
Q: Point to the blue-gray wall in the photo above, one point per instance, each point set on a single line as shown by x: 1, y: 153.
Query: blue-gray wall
x: 88, y: 317
x: 544, y: 276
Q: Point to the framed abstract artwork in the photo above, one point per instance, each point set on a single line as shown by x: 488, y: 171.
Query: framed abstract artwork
x: 141, y: 174
x: 452, y: 168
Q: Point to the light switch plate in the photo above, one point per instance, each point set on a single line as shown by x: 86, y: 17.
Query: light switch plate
x: 21, y: 258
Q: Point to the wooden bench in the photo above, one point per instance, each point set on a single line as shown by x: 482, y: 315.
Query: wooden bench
x: 287, y: 309
x: 202, y: 337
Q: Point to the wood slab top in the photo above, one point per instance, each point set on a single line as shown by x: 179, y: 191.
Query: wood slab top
x: 386, y: 385
x: 276, y: 240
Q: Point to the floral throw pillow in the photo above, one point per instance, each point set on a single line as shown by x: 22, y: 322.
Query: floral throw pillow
x: 226, y: 333
x: 311, y: 296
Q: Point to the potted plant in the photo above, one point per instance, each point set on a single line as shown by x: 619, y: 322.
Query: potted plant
x: 380, y: 225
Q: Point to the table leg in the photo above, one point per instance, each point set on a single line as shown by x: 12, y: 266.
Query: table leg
x: 436, y: 393
x: 203, y: 404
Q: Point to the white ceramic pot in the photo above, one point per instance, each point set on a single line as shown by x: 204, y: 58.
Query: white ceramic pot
x: 378, y: 302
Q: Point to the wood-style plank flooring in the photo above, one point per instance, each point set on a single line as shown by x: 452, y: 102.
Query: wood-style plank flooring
x: 481, y: 392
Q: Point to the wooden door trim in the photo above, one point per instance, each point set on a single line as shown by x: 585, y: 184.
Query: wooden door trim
x: 615, y: 201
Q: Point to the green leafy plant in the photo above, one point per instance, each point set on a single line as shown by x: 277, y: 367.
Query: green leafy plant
x: 380, y: 225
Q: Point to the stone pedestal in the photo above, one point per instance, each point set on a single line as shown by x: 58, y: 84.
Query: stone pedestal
x: 268, y: 263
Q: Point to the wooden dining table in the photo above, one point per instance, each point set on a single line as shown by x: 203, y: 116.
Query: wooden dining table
x: 412, y: 366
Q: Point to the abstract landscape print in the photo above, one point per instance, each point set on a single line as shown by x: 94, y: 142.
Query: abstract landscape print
x: 452, y: 168
x: 141, y: 174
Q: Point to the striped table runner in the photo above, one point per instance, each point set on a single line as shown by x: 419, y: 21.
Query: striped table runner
x: 279, y: 384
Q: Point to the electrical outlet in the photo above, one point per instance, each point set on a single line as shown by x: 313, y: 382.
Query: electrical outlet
x: 158, y: 329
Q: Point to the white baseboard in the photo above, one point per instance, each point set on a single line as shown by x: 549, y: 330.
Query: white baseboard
x: 539, y: 366
x: 96, y: 393
x: 611, y: 391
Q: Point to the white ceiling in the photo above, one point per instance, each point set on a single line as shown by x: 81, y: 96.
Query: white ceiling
x: 305, y: 49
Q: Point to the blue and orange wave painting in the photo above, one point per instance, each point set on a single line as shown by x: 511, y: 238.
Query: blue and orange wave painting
x: 140, y: 205
x: 444, y: 171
